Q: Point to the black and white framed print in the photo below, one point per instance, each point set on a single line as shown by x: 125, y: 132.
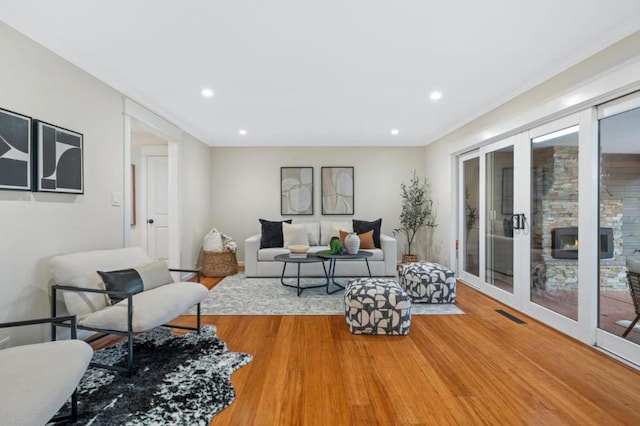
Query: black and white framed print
x: 15, y: 151
x: 337, y: 190
x: 296, y: 191
x: 59, y: 152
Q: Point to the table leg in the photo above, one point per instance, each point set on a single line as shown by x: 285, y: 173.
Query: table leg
x: 298, y: 288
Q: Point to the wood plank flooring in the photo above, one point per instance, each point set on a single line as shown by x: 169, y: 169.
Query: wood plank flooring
x: 478, y: 368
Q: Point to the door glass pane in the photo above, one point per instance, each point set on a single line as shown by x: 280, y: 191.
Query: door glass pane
x: 620, y: 217
x: 554, y: 221
x: 471, y: 255
x: 499, y: 209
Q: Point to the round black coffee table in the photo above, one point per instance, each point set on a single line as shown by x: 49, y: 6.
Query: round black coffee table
x: 292, y: 258
x: 333, y: 258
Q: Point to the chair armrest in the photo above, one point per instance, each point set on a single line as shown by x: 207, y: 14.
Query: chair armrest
x: 197, y: 271
x: 251, y: 247
x: 49, y: 320
x: 389, y: 246
x: 91, y: 290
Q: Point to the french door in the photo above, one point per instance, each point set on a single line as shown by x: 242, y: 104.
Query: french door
x: 527, y: 192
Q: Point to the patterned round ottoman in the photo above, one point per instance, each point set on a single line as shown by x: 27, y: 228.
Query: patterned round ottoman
x: 377, y: 306
x: 428, y: 282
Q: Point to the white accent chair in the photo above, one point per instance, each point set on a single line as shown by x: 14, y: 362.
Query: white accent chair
x: 85, y: 295
x: 38, y: 379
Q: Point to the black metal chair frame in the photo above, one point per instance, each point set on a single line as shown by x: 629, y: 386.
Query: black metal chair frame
x: 103, y: 332
x: 634, y: 288
x: 73, y: 417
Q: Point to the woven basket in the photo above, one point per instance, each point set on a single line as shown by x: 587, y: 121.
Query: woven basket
x: 409, y: 258
x: 219, y: 264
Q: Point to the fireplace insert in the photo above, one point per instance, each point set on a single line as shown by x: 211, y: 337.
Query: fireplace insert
x: 565, y: 244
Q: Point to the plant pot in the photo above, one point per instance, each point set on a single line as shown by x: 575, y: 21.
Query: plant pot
x: 409, y: 258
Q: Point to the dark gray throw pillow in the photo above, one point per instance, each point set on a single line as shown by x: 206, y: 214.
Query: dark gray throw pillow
x: 362, y: 226
x: 271, y: 233
x: 125, y: 280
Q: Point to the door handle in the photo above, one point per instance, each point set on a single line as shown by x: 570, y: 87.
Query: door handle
x: 518, y: 221
x: 150, y: 221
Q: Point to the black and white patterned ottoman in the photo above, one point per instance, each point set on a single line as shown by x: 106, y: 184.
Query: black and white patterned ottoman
x: 377, y: 306
x: 428, y: 282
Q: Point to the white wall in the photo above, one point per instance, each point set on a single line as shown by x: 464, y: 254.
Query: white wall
x: 35, y: 226
x: 246, y: 184
x: 195, y: 199
x: 602, y: 76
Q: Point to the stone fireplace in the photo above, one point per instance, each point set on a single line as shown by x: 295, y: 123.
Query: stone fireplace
x: 555, y: 207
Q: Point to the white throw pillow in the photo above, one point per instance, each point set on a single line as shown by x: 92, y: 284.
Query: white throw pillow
x: 212, y: 241
x: 313, y: 233
x: 154, y: 274
x: 332, y: 229
x: 294, y: 234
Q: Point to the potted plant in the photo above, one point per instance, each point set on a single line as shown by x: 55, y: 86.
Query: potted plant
x: 417, y: 211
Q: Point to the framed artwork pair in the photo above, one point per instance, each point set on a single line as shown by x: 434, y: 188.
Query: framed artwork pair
x: 296, y: 190
x: 38, y: 156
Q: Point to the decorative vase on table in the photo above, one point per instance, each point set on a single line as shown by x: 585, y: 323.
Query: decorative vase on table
x: 352, y: 243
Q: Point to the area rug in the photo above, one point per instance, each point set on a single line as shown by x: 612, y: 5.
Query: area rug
x: 238, y: 295
x: 179, y: 380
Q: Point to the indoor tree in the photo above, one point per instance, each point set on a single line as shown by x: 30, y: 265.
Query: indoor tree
x: 417, y: 209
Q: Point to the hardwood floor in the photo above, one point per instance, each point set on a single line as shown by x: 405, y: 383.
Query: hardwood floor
x: 478, y: 368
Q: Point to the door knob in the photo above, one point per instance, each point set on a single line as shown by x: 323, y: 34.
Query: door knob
x: 150, y: 221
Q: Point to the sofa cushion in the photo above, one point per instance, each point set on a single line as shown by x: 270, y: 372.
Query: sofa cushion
x: 82, y: 304
x: 330, y: 229
x: 270, y: 253
x: 362, y: 226
x: 157, y: 306
x: 378, y: 254
x: 38, y: 379
x: 313, y: 233
x: 271, y: 233
x: 294, y: 234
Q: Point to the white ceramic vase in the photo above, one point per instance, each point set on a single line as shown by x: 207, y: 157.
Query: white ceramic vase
x: 352, y: 243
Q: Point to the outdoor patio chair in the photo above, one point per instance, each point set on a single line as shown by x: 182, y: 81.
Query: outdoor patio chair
x: 634, y: 288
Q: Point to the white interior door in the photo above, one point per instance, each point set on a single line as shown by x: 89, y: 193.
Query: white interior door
x: 157, y: 206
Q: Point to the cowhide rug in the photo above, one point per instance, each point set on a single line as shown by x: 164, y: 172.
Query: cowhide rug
x: 179, y: 380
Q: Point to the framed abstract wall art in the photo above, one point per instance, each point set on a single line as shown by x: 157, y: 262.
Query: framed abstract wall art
x: 59, y: 152
x: 296, y: 191
x: 337, y: 190
x: 16, y: 168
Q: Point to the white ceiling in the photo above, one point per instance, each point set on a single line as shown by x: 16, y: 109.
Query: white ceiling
x: 330, y: 72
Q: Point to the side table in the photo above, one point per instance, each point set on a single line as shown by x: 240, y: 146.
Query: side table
x: 333, y: 258
x: 310, y: 258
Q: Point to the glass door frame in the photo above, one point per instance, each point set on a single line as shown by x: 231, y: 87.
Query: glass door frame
x: 604, y: 339
x: 587, y: 230
x: 512, y: 299
x: 461, y: 248
x: 584, y: 329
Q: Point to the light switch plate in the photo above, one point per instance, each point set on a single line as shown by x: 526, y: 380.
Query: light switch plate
x: 116, y: 199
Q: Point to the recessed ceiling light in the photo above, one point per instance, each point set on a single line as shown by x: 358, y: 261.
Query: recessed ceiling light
x: 242, y: 132
x: 395, y: 132
x: 435, y: 95
x: 207, y: 93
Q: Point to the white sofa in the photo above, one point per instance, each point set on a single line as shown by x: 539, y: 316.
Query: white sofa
x: 261, y: 263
